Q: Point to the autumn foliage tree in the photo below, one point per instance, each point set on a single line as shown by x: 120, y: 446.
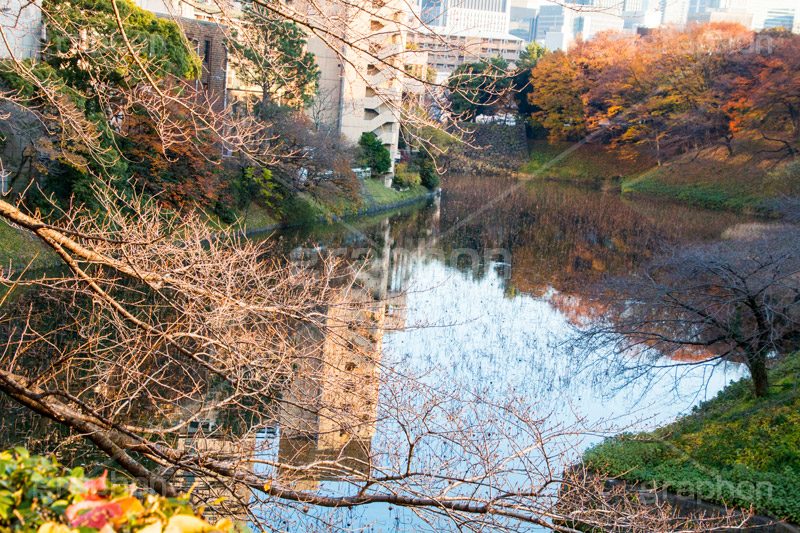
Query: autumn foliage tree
x: 672, y: 91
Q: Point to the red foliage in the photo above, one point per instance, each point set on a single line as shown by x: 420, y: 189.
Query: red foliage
x: 181, y: 175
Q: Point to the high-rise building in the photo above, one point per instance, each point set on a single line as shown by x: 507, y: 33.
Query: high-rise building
x: 796, y: 26
x: 554, y: 19
x: 559, y: 25
x: 674, y: 12
x: 454, y: 32
x: 523, y: 20
x: 458, y: 16
x: 772, y: 13
x: 641, y: 14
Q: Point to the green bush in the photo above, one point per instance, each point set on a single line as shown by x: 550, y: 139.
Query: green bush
x: 39, y: 495
x: 428, y: 175
x: 374, y: 154
x: 296, y: 209
x: 404, y: 178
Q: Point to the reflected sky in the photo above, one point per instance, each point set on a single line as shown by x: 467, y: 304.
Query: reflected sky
x: 501, y: 330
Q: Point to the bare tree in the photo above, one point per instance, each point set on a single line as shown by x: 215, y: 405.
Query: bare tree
x: 177, y: 352
x: 734, y: 300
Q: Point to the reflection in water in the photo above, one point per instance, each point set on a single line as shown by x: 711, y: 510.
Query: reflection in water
x: 330, y: 409
x: 498, y: 328
x: 499, y: 293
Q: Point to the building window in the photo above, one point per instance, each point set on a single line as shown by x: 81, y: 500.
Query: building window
x: 207, y: 53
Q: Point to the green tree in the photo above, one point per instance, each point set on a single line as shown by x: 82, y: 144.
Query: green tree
x: 374, y: 154
x: 478, y: 88
x: 427, y: 172
x: 84, y: 46
x: 528, y: 59
x: 83, y: 85
x: 272, y: 54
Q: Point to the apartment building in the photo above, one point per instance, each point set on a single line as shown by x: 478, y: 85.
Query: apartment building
x: 455, y: 32
x: 362, y: 87
x: 447, y: 51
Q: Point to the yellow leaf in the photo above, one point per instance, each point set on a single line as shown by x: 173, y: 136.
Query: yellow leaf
x: 129, y: 506
x: 53, y: 527
x: 152, y: 528
x: 224, y: 525
x: 183, y: 523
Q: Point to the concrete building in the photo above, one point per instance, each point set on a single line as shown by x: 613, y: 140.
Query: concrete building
x: 772, y: 13
x: 558, y: 26
x: 364, y: 89
x: 554, y: 19
x: 589, y: 24
x: 796, y: 26
x: 446, y: 52
x: 458, y: 16
x: 674, y: 12
x: 641, y: 14
x: 455, y: 32
x: 522, y: 21
x: 21, y: 21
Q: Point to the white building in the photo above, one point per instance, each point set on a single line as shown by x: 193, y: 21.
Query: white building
x: 641, y: 14
x: 21, y: 21
x: 558, y: 26
x: 674, y: 12
x: 796, y: 27
x: 449, y: 17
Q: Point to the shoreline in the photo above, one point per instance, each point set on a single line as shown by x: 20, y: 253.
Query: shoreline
x: 329, y: 220
x: 46, y: 264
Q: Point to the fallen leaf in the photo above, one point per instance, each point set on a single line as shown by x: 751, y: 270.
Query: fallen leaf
x: 53, y: 527
x: 96, y: 485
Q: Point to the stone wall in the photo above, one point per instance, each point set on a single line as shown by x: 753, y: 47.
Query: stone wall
x: 495, y: 149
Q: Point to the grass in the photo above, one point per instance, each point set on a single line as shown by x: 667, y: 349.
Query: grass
x: 746, y: 181
x: 585, y: 163
x: 735, y: 449
x: 375, y: 193
x: 20, y: 248
x: 698, y: 194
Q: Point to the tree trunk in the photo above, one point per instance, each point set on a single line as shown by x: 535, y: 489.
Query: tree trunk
x: 758, y: 375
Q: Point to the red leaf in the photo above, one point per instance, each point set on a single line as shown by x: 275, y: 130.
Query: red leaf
x: 96, y: 515
x: 95, y: 485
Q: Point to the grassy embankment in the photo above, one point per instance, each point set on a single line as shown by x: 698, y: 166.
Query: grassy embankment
x: 20, y: 248
x: 736, y: 449
x: 586, y: 163
x: 747, y: 181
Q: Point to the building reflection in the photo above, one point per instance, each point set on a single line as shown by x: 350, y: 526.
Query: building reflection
x: 322, y: 429
x: 329, y: 414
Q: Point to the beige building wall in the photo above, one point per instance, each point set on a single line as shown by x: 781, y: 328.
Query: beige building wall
x: 363, y: 90
x: 447, y: 52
